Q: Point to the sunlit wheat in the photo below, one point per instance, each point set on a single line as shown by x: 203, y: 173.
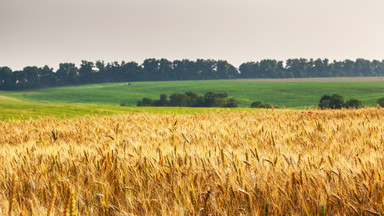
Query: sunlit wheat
x: 273, y: 162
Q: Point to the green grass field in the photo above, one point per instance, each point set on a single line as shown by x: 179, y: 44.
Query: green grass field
x: 21, y: 111
x: 100, y: 99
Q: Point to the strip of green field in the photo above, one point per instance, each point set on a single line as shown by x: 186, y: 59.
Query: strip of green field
x: 284, y: 94
x: 20, y: 111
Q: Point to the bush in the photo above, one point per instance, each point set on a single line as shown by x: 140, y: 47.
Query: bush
x: 163, y: 99
x: 232, y: 102
x: 336, y: 101
x: 258, y: 104
x: 191, y: 99
x: 178, y: 99
x: 353, y: 103
x: 325, y: 102
x: 145, y: 102
x: 261, y: 104
x: 162, y: 102
x: 380, y: 102
x: 212, y: 99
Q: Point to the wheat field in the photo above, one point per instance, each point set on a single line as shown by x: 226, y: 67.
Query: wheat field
x: 272, y: 162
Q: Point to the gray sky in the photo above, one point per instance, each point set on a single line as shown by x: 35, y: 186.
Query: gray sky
x: 40, y: 32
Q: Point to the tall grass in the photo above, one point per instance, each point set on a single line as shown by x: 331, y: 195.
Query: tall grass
x: 223, y: 163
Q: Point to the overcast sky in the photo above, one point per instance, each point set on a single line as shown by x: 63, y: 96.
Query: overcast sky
x: 49, y: 32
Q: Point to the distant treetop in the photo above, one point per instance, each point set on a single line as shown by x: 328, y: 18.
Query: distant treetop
x: 163, y: 69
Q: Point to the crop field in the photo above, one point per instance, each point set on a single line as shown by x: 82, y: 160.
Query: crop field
x: 21, y: 111
x: 289, y: 93
x: 270, y: 162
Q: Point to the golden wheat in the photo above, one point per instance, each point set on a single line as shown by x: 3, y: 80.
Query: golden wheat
x: 268, y: 162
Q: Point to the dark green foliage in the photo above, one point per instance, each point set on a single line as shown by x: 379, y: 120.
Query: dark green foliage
x: 325, y: 102
x: 232, y: 102
x: 86, y: 72
x: 212, y: 99
x: 336, y: 101
x: 258, y: 104
x: 145, y: 102
x: 353, y: 103
x: 191, y: 99
x: 6, y: 82
x: 163, y: 99
x: 380, y: 102
x: 261, y: 104
x: 163, y: 69
x: 178, y: 99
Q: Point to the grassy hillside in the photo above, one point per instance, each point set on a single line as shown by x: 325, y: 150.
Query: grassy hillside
x: 288, y: 94
x: 21, y: 111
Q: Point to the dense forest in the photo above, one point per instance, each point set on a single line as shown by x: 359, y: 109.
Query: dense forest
x: 163, y: 69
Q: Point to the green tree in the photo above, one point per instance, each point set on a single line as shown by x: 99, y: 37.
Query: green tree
x: 380, y: 102
x: 68, y: 73
x: 232, y: 102
x: 165, y: 70
x: 268, y: 68
x: 192, y: 98
x: 151, y: 69
x: 163, y: 99
x: 32, y: 74
x: 249, y: 70
x: 6, y: 78
x: 178, y: 99
x: 145, y: 102
x: 47, y: 77
x: 162, y: 102
x: 226, y: 70
x: 325, y: 102
x: 19, y: 79
x: 353, y: 103
x: 298, y: 67
x: 258, y: 104
x: 212, y: 99
x: 86, y: 72
x: 337, y: 101
x: 129, y: 71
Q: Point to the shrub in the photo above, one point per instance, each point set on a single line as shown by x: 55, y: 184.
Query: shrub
x: 380, y: 102
x: 337, y: 101
x: 145, y: 102
x: 261, y: 104
x: 353, y: 103
x: 258, y: 104
x: 191, y: 99
x: 178, y: 99
x: 212, y: 99
x: 232, y: 102
x: 325, y: 101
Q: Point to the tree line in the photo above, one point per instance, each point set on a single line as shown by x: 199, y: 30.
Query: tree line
x: 336, y: 101
x: 164, y: 70
x: 191, y: 99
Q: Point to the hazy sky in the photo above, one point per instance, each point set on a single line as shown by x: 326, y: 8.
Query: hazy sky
x: 40, y: 32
